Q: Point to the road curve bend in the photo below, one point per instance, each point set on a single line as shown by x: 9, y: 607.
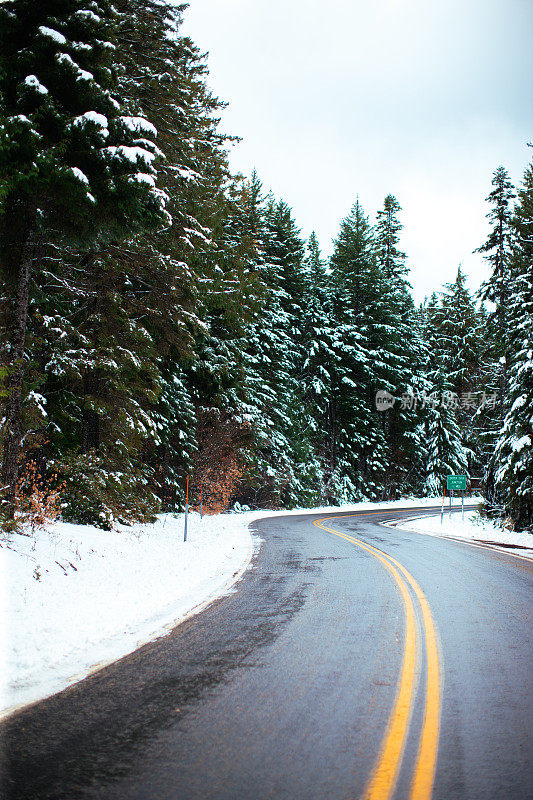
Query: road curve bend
x: 353, y: 661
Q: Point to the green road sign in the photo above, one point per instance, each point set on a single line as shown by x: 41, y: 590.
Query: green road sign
x: 456, y: 483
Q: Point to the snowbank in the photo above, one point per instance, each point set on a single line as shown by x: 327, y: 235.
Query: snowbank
x: 473, y: 528
x: 75, y: 597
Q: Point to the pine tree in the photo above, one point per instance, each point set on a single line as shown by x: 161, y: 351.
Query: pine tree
x: 400, y: 355
x: 497, y: 251
x: 387, y: 230
x: 196, y: 280
x: 445, y: 453
x: 315, y: 383
x: 358, y: 438
x: 276, y: 355
x: 376, y: 351
x: 459, y: 328
x: 318, y: 343
x: 442, y: 442
x: 76, y: 166
x: 514, y: 450
x: 458, y: 335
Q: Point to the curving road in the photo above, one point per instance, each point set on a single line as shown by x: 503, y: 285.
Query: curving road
x: 353, y: 661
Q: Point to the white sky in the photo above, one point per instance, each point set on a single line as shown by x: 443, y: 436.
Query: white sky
x: 422, y: 99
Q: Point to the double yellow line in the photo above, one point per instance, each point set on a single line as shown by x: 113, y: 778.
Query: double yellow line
x: 384, y: 777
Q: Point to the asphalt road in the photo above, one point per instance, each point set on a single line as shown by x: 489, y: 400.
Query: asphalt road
x: 354, y: 661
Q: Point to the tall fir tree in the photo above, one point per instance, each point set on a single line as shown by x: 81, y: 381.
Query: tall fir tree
x: 358, y: 438
x: 275, y: 353
x: 514, y: 449
x: 76, y: 167
x: 399, y: 348
x: 497, y: 252
x: 319, y: 358
x: 445, y: 452
x: 458, y: 335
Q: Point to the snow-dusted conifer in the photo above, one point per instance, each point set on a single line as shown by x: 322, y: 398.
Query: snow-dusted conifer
x: 497, y: 252
x: 400, y: 356
x: 76, y: 167
x: 445, y: 452
x: 358, y: 438
x: 514, y: 450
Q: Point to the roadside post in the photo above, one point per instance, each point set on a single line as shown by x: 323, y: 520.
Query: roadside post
x: 201, y: 501
x: 456, y: 483
x: 186, y: 511
x: 442, y: 507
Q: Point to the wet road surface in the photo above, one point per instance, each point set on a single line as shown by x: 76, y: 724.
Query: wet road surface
x: 290, y: 687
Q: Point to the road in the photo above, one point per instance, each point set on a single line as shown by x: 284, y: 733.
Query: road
x: 353, y: 661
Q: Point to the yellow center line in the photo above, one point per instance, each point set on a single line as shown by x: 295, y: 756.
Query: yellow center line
x: 385, y: 774
x: 424, y: 774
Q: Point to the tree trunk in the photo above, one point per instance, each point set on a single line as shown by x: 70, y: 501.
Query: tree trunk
x: 90, y: 421
x: 90, y: 431
x: 15, y: 378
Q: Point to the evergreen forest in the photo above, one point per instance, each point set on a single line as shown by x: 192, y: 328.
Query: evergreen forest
x: 162, y: 317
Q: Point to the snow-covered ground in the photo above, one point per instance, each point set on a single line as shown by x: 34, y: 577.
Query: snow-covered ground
x: 76, y: 597
x: 473, y: 528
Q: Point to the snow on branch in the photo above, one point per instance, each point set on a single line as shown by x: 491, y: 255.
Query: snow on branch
x: 86, y: 15
x: 139, y: 125
x: 93, y: 117
x: 34, y: 83
x: 50, y: 33
x: 131, y: 154
x: 81, y: 74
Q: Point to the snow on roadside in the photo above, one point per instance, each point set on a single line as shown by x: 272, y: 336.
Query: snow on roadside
x: 75, y: 597
x: 474, y: 527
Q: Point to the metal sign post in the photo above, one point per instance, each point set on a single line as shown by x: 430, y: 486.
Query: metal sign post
x: 186, y: 511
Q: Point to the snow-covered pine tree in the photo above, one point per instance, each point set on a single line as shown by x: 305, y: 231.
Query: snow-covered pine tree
x: 514, y: 450
x: 76, y: 167
x: 459, y: 342
x: 277, y: 464
x: 223, y: 385
x: 165, y: 75
x: 458, y: 335
x: 444, y: 451
x: 412, y: 404
x: 387, y: 232
x: 319, y: 359
x: 398, y: 345
x: 497, y: 251
x: 359, y: 456
x: 123, y: 370
x: 277, y: 353
x: 225, y: 375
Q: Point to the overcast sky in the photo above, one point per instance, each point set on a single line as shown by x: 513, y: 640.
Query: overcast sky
x: 422, y: 99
